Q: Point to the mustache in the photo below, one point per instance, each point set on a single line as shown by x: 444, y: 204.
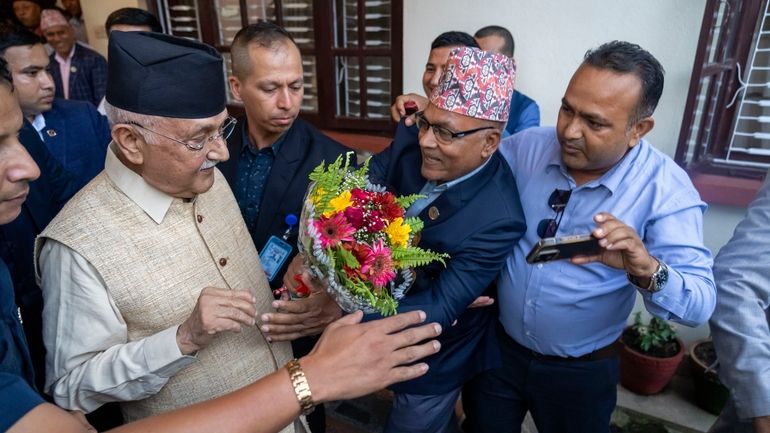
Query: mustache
x: 208, y: 164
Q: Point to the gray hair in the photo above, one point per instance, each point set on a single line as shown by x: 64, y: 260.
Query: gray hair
x: 117, y: 115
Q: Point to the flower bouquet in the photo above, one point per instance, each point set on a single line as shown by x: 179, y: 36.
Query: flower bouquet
x: 354, y: 237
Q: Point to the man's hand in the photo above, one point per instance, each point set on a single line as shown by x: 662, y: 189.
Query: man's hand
x: 398, y: 111
x: 302, y: 316
x: 482, y: 301
x: 621, y: 249
x: 296, y: 267
x: 353, y: 359
x: 762, y: 424
x: 217, y: 310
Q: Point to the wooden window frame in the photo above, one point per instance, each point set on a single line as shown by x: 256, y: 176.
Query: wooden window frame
x: 718, y: 183
x: 324, y: 53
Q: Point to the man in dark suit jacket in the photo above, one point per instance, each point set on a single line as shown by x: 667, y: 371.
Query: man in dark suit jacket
x: 47, y: 195
x: 471, y: 211
x: 77, y: 135
x: 74, y: 132
x: 272, y: 151
x: 79, y: 72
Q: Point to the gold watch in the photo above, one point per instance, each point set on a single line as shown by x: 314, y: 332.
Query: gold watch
x: 301, y: 387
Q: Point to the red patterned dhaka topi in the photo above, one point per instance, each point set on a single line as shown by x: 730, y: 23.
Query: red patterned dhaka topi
x: 477, y: 84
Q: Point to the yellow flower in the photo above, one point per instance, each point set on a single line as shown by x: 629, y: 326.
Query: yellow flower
x: 339, y: 203
x: 319, y: 192
x: 398, y: 232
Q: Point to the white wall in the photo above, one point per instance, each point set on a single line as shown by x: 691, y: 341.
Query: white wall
x: 95, y: 13
x: 551, y: 38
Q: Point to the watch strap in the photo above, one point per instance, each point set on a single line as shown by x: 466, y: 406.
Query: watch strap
x: 301, y: 387
x: 657, y: 280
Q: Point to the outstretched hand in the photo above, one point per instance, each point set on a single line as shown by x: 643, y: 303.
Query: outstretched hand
x: 353, y: 359
x: 300, y: 317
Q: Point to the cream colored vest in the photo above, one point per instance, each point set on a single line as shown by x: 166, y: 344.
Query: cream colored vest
x: 155, y: 272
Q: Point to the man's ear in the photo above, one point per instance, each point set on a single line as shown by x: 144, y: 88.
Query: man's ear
x: 129, y: 143
x: 640, y: 129
x: 235, y: 87
x: 491, y: 143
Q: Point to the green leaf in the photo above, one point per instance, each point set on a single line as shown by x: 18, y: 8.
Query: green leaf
x: 409, y: 257
x: 347, y: 258
x: 408, y: 200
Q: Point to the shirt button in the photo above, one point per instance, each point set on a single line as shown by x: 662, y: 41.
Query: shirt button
x: 539, y: 265
x: 528, y: 334
x: 530, y: 303
x: 200, y: 218
x: 222, y: 261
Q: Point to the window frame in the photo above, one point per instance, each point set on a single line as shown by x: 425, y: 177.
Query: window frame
x: 720, y: 183
x: 324, y: 54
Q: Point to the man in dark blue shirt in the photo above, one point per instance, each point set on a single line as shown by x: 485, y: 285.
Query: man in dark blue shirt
x: 272, y: 151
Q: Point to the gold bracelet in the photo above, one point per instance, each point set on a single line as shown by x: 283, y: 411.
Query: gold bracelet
x: 301, y: 387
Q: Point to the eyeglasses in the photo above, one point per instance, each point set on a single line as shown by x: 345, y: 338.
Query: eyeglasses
x: 224, y: 133
x: 443, y: 135
x: 548, y: 227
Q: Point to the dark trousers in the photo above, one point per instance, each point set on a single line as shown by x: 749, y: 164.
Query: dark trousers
x: 563, y: 395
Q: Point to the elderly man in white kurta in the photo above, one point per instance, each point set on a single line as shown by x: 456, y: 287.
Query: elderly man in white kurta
x: 150, y: 278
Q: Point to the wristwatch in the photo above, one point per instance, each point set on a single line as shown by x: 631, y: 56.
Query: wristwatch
x: 657, y: 280
x: 301, y: 387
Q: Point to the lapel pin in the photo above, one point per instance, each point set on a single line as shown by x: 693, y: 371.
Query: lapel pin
x: 73, y: 69
x: 433, y: 213
x: 51, y: 133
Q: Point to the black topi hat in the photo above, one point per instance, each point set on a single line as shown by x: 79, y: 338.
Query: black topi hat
x: 162, y: 75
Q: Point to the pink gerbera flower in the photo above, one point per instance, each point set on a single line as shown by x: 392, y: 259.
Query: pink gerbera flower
x: 378, y: 265
x: 334, y: 230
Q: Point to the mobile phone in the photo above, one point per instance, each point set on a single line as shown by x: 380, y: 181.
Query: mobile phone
x: 565, y: 247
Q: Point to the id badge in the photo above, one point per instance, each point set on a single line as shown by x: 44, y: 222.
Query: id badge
x: 274, y: 255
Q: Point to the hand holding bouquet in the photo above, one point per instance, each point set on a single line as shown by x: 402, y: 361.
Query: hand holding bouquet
x: 357, y: 240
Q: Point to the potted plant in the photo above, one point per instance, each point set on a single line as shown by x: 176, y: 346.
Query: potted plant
x: 649, y: 355
x: 710, y: 394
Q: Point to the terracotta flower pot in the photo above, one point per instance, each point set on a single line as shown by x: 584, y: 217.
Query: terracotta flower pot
x: 646, y: 375
x: 710, y: 394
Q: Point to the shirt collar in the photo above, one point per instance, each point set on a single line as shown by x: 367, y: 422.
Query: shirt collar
x: 152, y: 201
x: 61, y: 59
x: 39, y: 123
x: 465, y: 177
x: 247, y: 144
x: 611, y: 179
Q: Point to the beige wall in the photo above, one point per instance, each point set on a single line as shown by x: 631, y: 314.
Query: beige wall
x: 552, y: 36
x: 95, y: 12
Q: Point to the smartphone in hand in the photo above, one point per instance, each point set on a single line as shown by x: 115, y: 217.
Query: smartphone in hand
x: 565, y: 247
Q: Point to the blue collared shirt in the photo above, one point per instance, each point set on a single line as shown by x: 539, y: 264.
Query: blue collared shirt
x: 253, y: 170
x: 563, y: 309
x: 431, y: 190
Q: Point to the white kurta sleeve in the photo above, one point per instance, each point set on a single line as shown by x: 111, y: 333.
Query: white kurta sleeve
x: 89, y: 360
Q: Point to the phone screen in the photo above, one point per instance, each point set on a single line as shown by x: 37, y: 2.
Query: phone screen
x: 566, y: 247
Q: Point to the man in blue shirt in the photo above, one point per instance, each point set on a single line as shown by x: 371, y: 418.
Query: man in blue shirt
x: 740, y: 325
x: 524, y: 110
x: 16, y: 172
x: 593, y: 173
